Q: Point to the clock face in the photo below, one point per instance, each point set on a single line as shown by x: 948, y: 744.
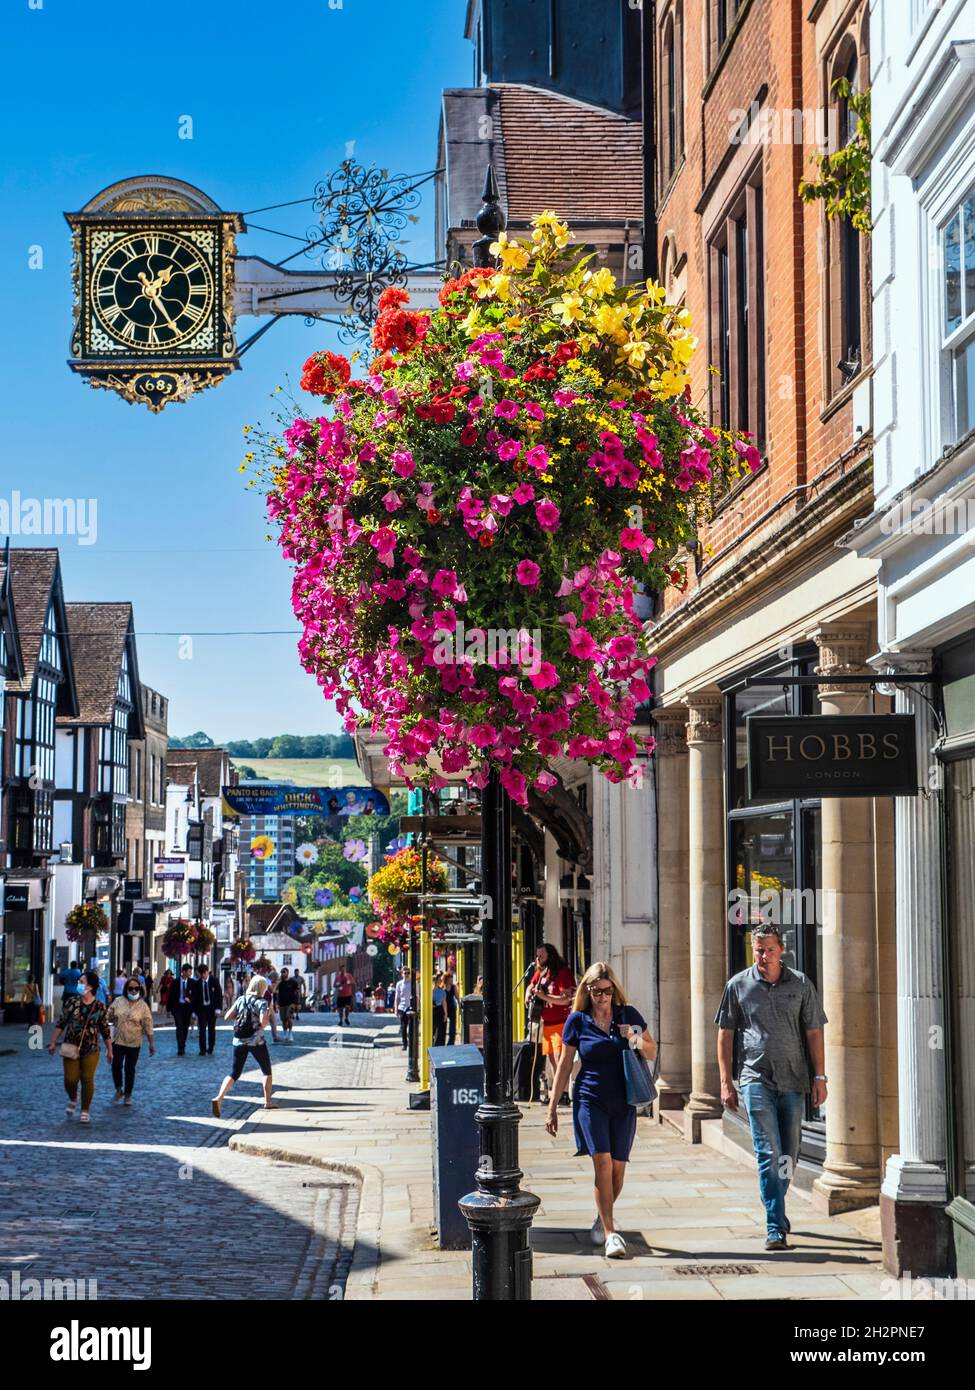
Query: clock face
x: 152, y: 290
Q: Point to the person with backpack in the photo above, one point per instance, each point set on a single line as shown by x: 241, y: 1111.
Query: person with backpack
x: 250, y: 1013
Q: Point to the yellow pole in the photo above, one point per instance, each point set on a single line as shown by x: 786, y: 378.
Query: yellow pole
x: 517, y: 970
x: 426, y: 1007
x: 461, y: 972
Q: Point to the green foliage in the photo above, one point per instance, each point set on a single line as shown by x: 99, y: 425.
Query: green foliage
x: 293, y: 746
x: 197, y: 740
x: 844, y: 176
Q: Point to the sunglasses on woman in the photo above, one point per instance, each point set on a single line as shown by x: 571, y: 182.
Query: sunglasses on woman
x: 594, y: 990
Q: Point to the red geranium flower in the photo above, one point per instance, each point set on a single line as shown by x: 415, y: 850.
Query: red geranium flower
x: 401, y: 329
x: 462, y: 283
x: 325, y: 374
x: 392, y: 298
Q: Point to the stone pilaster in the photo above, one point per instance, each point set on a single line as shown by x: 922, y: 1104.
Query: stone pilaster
x: 913, y: 1195
x: 674, y: 1081
x: 849, y: 987
x: 706, y: 901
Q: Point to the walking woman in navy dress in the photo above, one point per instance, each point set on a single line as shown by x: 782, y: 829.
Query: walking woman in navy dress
x: 600, y: 1028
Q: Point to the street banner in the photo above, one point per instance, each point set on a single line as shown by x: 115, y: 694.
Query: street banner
x: 831, y: 755
x: 282, y: 799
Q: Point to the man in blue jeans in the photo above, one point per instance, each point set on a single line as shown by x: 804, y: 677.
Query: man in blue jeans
x: 777, y: 1012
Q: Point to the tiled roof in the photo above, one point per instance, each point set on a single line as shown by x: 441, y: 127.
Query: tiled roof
x: 584, y: 163
x: 211, y: 766
x: 548, y: 152
x: 32, y: 576
x: 97, y: 634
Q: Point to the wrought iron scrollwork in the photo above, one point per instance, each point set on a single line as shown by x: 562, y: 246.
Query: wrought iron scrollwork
x: 362, y: 215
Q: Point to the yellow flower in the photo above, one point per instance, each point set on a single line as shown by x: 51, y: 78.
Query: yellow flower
x: 599, y: 283
x: 472, y: 324
x: 588, y: 501
x: 514, y: 322
x: 563, y: 440
x: 635, y: 352
x: 610, y: 318
x: 570, y: 308
x: 682, y: 349
x: 243, y: 468
x: 672, y: 383
x: 248, y: 428
x: 514, y: 258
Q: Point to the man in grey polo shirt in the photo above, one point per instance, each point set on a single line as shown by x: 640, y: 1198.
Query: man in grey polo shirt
x: 778, y: 1013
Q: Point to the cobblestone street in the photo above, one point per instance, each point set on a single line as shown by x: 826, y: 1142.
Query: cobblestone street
x: 148, y: 1200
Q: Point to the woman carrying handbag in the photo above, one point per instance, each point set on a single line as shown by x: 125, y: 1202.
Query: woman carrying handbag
x: 614, y: 1046
x: 83, y: 1018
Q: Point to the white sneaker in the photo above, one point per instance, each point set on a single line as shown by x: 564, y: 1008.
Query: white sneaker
x: 596, y: 1234
x: 615, y: 1246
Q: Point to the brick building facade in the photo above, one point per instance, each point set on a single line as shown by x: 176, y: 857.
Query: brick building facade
x: 780, y: 301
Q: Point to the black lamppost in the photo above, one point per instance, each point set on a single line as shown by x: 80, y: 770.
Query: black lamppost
x: 498, y: 1213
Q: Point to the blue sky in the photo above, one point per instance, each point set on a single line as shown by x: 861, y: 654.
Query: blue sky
x: 92, y: 93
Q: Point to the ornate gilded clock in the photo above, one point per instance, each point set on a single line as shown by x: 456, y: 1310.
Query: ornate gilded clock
x: 154, y: 266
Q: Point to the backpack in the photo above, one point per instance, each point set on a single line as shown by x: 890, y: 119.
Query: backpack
x: 246, y: 1024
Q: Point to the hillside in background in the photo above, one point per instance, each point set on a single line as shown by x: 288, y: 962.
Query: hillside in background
x: 280, y: 746
x: 305, y: 772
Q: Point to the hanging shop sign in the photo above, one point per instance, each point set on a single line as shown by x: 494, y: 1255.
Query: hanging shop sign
x: 832, y: 755
x: 282, y: 799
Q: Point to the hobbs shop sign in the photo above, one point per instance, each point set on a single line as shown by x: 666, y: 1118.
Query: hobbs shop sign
x: 832, y: 755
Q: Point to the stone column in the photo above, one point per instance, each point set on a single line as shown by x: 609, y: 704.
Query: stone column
x: 916, y: 1231
x: 849, y: 989
x: 674, y: 1081
x: 707, y: 902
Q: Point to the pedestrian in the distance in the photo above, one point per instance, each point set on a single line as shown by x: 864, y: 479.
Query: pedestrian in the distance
x: 83, y: 1019
x: 147, y: 986
x: 289, y: 993
x: 272, y: 998
x: 131, y: 1018
x: 344, y: 990
x: 451, y: 1004
x: 70, y: 978
x: 229, y: 992
x: 551, y: 989
x: 403, y: 1004
x: 250, y: 1013
x: 165, y: 981
x: 777, y: 1012
x: 181, y: 1006
x: 207, y: 998
x: 439, y: 1015
x: 600, y: 1028
x: 30, y: 997
x: 118, y: 985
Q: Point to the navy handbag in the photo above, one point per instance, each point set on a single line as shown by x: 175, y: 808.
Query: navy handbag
x: 640, y: 1089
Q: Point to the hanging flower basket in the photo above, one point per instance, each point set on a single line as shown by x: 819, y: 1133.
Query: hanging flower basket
x: 179, y: 939
x: 243, y: 951
x: 205, y: 940
x: 86, y: 922
x: 472, y: 526
x: 263, y: 966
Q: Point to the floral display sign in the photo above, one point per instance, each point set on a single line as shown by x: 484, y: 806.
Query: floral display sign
x: 473, y: 522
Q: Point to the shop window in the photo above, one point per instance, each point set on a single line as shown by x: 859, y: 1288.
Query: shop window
x: 848, y: 306
x: 774, y: 868
x: 737, y: 314
x: 722, y: 16
x: 958, y: 331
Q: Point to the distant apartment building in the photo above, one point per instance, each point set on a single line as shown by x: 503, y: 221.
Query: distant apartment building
x: 267, y: 866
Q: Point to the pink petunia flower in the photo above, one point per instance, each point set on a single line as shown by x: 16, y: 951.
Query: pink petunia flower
x: 548, y: 514
x: 527, y: 574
